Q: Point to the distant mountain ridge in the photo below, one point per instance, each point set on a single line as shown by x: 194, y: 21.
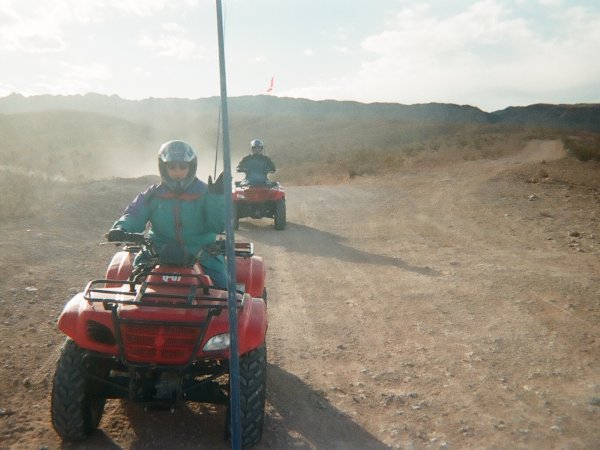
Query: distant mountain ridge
x: 97, y: 136
x: 583, y: 117
x: 578, y: 116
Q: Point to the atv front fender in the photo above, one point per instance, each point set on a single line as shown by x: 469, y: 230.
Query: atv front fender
x: 90, y: 325
x: 251, y: 272
x: 75, y: 321
x: 120, y: 266
x: 252, y: 325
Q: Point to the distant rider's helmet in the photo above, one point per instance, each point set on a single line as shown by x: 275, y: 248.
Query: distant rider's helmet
x: 177, y: 152
x: 257, y: 146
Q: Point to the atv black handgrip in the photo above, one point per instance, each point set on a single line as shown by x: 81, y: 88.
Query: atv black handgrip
x: 136, y: 238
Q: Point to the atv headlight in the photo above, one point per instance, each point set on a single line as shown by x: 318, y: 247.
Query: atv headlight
x: 218, y: 342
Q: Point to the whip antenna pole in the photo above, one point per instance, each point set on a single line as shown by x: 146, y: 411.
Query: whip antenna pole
x: 234, y: 358
x: 217, y: 146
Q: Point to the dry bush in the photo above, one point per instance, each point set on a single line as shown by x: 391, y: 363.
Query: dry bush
x: 584, y: 148
x: 20, y: 196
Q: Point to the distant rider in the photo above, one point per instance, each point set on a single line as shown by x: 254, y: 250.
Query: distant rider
x: 256, y: 165
x: 181, y: 209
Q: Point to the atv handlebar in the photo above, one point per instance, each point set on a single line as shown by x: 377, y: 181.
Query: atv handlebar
x: 121, y: 236
x: 136, y: 238
x: 124, y: 237
x: 246, y: 171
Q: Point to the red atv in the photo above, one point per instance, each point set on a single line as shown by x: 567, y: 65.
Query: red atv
x: 258, y: 201
x: 159, y: 335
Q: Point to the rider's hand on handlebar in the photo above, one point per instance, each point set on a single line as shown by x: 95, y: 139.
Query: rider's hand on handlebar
x: 216, y: 187
x: 116, y: 235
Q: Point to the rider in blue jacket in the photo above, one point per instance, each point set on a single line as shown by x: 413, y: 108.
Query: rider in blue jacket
x: 256, y: 165
x: 180, y: 209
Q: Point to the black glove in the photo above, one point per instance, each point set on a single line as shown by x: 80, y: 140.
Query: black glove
x: 116, y: 235
x: 216, y: 187
x: 214, y: 249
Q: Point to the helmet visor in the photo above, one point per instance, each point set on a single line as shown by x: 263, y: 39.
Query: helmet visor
x: 176, y: 151
x: 178, y: 165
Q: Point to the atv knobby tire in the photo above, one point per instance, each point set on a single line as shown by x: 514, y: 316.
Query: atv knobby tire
x: 253, y: 386
x: 280, y: 219
x: 75, y: 408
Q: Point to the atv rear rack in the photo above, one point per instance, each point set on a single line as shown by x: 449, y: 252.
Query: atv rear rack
x: 244, y: 249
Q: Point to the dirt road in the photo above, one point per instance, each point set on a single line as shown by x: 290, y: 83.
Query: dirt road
x: 447, y: 306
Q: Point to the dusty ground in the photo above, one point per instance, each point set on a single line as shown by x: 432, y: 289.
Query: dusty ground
x: 451, y: 305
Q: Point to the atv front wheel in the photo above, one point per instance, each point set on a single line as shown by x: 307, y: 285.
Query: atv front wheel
x: 76, y: 409
x: 253, y: 386
x: 280, y: 219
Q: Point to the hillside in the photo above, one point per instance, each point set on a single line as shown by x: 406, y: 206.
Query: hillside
x: 95, y: 136
x: 578, y: 117
x: 75, y: 145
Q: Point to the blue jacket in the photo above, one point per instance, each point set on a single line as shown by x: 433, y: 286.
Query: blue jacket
x: 256, y: 164
x: 192, y: 218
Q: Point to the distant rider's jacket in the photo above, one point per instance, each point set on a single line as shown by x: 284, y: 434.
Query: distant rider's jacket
x: 192, y: 218
x: 256, y: 167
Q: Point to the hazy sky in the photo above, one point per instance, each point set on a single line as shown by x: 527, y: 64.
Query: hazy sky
x: 489, y: 53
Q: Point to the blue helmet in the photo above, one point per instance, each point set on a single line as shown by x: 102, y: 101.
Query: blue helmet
x: 177, y: 151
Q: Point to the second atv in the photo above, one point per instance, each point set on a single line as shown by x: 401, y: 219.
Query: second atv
x: 259, y: 200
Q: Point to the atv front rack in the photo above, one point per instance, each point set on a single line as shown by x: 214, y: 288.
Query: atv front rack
x: 127, y: 292
x: 159, y: 343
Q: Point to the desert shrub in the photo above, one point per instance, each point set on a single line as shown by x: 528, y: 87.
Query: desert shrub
x: 583, y: 148
x: 19, y: 196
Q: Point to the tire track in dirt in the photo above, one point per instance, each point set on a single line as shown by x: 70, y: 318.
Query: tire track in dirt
x: 310, y: 334
x: 341, y: 289
x: 421, y: 307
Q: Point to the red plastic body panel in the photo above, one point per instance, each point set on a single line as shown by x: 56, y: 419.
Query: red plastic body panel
x: 78, y: 313
x: 251, y: 272
x: 258, y: 194
x: 120, y: 266
x: 252, y: 323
